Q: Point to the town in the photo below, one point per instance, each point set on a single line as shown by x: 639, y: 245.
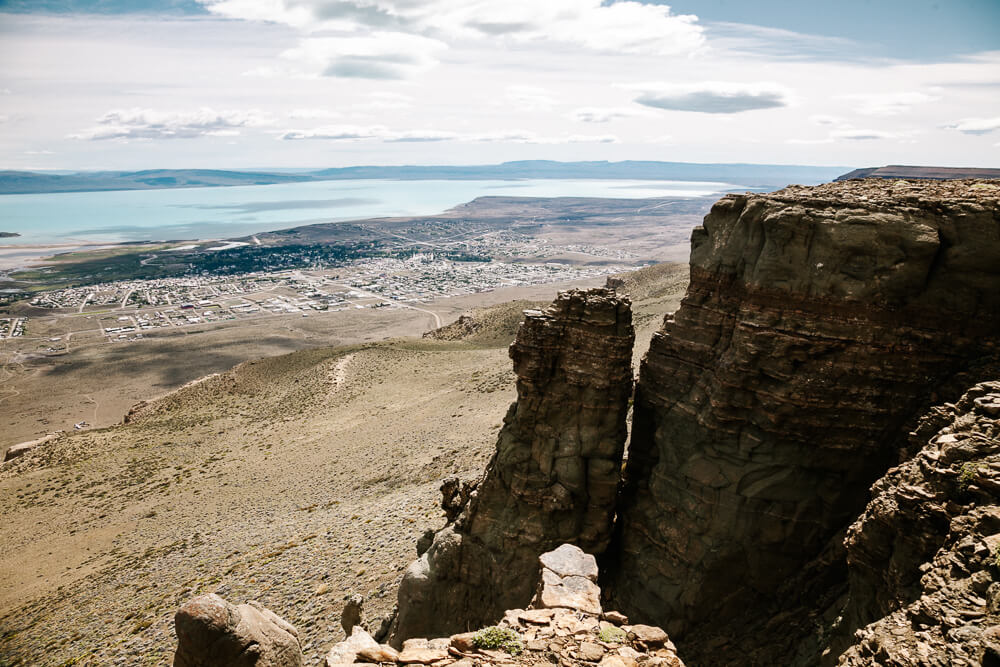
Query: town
x: 126, y: 310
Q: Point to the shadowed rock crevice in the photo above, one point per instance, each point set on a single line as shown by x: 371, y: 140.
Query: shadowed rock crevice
x: 552, y: 480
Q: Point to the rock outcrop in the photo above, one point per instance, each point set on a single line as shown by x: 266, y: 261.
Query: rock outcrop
x: 214, y: 633
x: 553, y: 478
x: 924, y: 558
x: 818, y: 324
x: 568, y: 635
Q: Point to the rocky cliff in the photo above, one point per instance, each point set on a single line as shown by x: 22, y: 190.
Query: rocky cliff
x: 924, y: 558
x: 553, y: 478
x: 818, y: 323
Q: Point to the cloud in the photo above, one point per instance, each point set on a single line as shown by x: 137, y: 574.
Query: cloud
x: 151, y: 124
x: 379, y: 55
x: 756, y: 40
x: 888, y: 104
x: 853, y: 134
x: 626, y: 26
x: 308, y: 114
x: 529, y: 98
x: 975, y: 126
x: 824, y: 119
x: 713, y: 96
x: 601, y: 114
x: 384, y: 134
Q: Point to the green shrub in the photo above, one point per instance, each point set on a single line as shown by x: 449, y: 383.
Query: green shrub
x: 495, y: 638
x: 966, y: 474
x: 611, y: 635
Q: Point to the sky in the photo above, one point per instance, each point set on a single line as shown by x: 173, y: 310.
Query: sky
x: 245, y: 84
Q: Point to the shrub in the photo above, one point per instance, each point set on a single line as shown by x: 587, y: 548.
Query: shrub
x: 611, y: 635
x: 504, y: 639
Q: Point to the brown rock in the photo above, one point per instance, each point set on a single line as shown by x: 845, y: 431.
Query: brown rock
x: 650, y: 636
x: 816, y: 324
x: 590, y: 652
x: 213, y: 633
x: 536, y: 616
x: 346, y: 652
x: 383, y: 653
x: 568, y: 560
x: 569, y: 592
x: 463, y: 642
x: 615, y: 617
x: 611, y: 660
x: 424, y: 656
x: 353, y: 614
x: 552, y: 480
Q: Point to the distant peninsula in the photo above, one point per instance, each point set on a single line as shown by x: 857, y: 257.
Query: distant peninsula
x: 749, y: 175
x: 8, y: 235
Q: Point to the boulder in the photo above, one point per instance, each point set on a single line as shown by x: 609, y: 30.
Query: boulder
x: 346, y: 652
x: 214, y: 633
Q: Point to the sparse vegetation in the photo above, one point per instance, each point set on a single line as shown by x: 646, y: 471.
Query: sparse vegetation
x: 611, y: 635
x: 498, y: 639
x: 965, y: 475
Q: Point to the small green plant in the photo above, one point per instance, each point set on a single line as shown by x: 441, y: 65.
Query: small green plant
x: 611, y: 635
x: 965, y: 475
x: 496, y: 638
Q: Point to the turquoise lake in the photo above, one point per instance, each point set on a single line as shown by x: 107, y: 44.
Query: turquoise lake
x: 206, y: 213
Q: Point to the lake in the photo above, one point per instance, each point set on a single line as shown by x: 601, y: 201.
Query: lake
x: 206, y: 213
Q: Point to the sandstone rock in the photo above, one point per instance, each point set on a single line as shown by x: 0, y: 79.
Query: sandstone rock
x: 614, y: 661
x: 571, y: 592
x: 213, y: 633
x: 648, y: 635
x: 383, y: 653
x: 424, y: 656
x: 346, y: 652
x: 615, y: 617
x: 568, y: 560
x: 817, y: 323
x: 590, y: 652
x: 536, y: 616
x: 464, y: 642
x: 553, y: 478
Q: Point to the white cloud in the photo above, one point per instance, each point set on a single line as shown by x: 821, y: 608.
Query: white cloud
x: 888, y: 104
x: 529, y: 98
x: 379, y: 55
x: 720, y: 97
x: 854, y: 134
x: 602, y: 114
x: 975, y: 125
x: 622, y: 27
x: 824, y: 119
x: 151, y: 124
x: 310, y: 114
x: 384, y: 134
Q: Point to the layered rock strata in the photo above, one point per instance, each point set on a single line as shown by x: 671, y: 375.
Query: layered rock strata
x: 553, y: 478
x: 924, y: 558
x: 817, y: 324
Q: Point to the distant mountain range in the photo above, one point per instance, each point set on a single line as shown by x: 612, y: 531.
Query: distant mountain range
x: 750, y: 175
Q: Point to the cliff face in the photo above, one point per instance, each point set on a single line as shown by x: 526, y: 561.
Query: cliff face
x: 553, y: 478
x: 924, y: 558
x: 817, y: 324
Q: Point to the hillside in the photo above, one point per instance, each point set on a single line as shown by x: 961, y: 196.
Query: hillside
x: 293, y: 480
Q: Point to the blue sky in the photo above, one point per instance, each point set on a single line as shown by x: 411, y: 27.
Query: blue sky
x: 90, y: 84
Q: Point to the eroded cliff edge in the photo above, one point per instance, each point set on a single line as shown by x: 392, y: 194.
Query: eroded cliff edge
x: 818, y: 324
x: 553, y: 478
